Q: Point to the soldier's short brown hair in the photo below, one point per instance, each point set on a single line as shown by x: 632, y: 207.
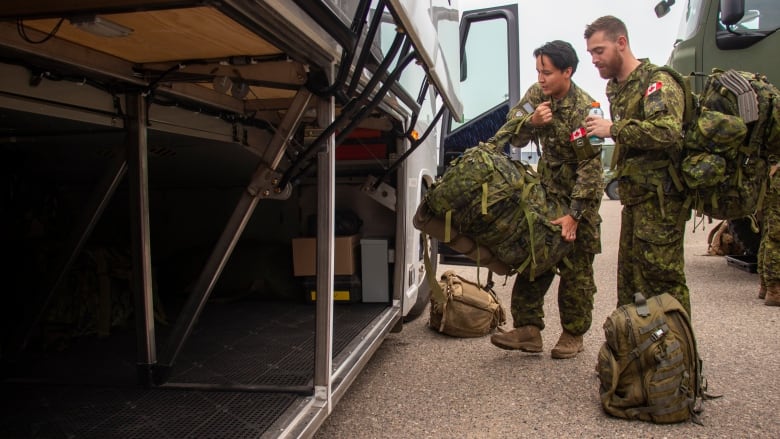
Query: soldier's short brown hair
x: 613, y: 27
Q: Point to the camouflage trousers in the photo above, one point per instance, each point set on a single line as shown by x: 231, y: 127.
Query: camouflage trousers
x: 575, y: 295
x: 650, y: 256
x: 769, y: 250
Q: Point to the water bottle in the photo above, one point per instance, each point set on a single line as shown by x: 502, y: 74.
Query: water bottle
x: 595, y: 110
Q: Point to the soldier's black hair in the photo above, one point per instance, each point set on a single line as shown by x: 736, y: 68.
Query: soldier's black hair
x: 561, y: 54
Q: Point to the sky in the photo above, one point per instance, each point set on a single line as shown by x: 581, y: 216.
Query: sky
x: 547, y: 20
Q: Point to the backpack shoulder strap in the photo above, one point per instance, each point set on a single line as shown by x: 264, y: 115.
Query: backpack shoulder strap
x: 685, y: 83
x: 688, y: 118
x: 760, y: 132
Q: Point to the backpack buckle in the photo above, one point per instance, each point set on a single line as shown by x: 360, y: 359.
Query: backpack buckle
x: 657, y: 334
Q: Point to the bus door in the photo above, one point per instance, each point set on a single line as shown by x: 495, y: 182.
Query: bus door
x: 490, y: 85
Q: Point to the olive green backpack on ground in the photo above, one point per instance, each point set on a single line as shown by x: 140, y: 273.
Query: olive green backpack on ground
x: 731, y: 129
x: 649, y: 365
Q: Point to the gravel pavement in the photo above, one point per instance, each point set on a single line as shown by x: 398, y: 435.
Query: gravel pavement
x: 421, y: 384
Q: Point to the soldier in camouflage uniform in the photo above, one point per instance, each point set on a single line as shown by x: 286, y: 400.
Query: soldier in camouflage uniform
x: 552, y: 113
x: 769, y: 250
x: 647, y: 111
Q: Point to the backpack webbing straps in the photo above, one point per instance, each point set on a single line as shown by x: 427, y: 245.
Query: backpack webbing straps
x: 660, y: 408
x: 654, y: 337
x: 436, y: 292
x: 747, y: 100
x: 676, y: 178
x: 483, y: 201
x: 756, y: 141
x: 672, y: 359
x: 670, y: 373
x: 635, y: 173
x: 685, y: 84
x: 448, y: 226
x: 532, y: 258
x: 621, y: 366
x: 650, y: 327
x: 689, y: 110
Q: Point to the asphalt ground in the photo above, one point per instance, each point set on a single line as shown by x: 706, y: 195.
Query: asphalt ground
x: 421, y: 384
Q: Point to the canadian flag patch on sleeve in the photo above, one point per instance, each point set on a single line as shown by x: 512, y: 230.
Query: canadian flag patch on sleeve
x: 577, y: 134
x: 653, y: 88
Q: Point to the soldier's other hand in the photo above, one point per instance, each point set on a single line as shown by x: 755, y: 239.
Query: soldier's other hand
x: 568, y: 227
x: 597, y: 126
x: 542, y: 115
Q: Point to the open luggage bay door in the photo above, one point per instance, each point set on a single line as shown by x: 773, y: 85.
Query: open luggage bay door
x: 228, y: 125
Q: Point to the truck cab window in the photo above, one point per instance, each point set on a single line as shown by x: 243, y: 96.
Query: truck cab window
x: 760, y: 15
x: 761, y: 18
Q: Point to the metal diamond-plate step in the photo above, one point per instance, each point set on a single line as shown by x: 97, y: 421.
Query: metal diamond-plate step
x: 253, y: 343
x: 77, y: 412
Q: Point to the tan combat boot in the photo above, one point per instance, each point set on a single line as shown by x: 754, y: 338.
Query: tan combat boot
x: 525, y: 338
x: 568, y: 346
x: 772, y: 296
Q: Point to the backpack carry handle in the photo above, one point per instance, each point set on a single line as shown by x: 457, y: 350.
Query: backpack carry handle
x: 641, y: 305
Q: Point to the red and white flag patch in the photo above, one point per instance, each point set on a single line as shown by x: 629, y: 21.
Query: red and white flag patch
x: 577, y: 134
x: 653, y: 88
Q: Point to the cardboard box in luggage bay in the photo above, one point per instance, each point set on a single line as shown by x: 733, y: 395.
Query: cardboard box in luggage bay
x: 495, y: 211
x: 305, y: 255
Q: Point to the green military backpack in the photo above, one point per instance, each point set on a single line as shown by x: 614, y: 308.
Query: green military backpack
x: 731, y: 129
x: 496, y: 211
x: 501, y: 205
x: 649, y: 365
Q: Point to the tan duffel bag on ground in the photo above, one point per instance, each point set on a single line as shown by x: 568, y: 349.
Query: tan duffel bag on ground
x: 462, y: 308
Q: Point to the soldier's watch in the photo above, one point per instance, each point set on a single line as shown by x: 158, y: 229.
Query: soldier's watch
x: 576, y: 214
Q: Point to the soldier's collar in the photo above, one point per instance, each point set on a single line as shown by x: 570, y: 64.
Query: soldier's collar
x: 644, y: 64
x: 635, y: 74
x: 568, y: 100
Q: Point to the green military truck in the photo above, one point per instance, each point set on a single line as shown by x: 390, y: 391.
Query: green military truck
x: 739, y: 34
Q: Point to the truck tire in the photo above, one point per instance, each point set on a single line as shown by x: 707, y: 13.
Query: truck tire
x: 612, y: 190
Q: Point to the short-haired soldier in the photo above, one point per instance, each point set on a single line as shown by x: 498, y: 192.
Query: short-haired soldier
x: 552, y: 114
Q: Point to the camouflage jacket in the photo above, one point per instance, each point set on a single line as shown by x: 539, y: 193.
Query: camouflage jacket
x: 647, y: 111
x: 569, y: 166
x: 561, y: 170
x: 773, y: 139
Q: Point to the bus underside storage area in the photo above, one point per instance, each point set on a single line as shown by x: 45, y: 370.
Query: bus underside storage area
x: 203, y: 212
